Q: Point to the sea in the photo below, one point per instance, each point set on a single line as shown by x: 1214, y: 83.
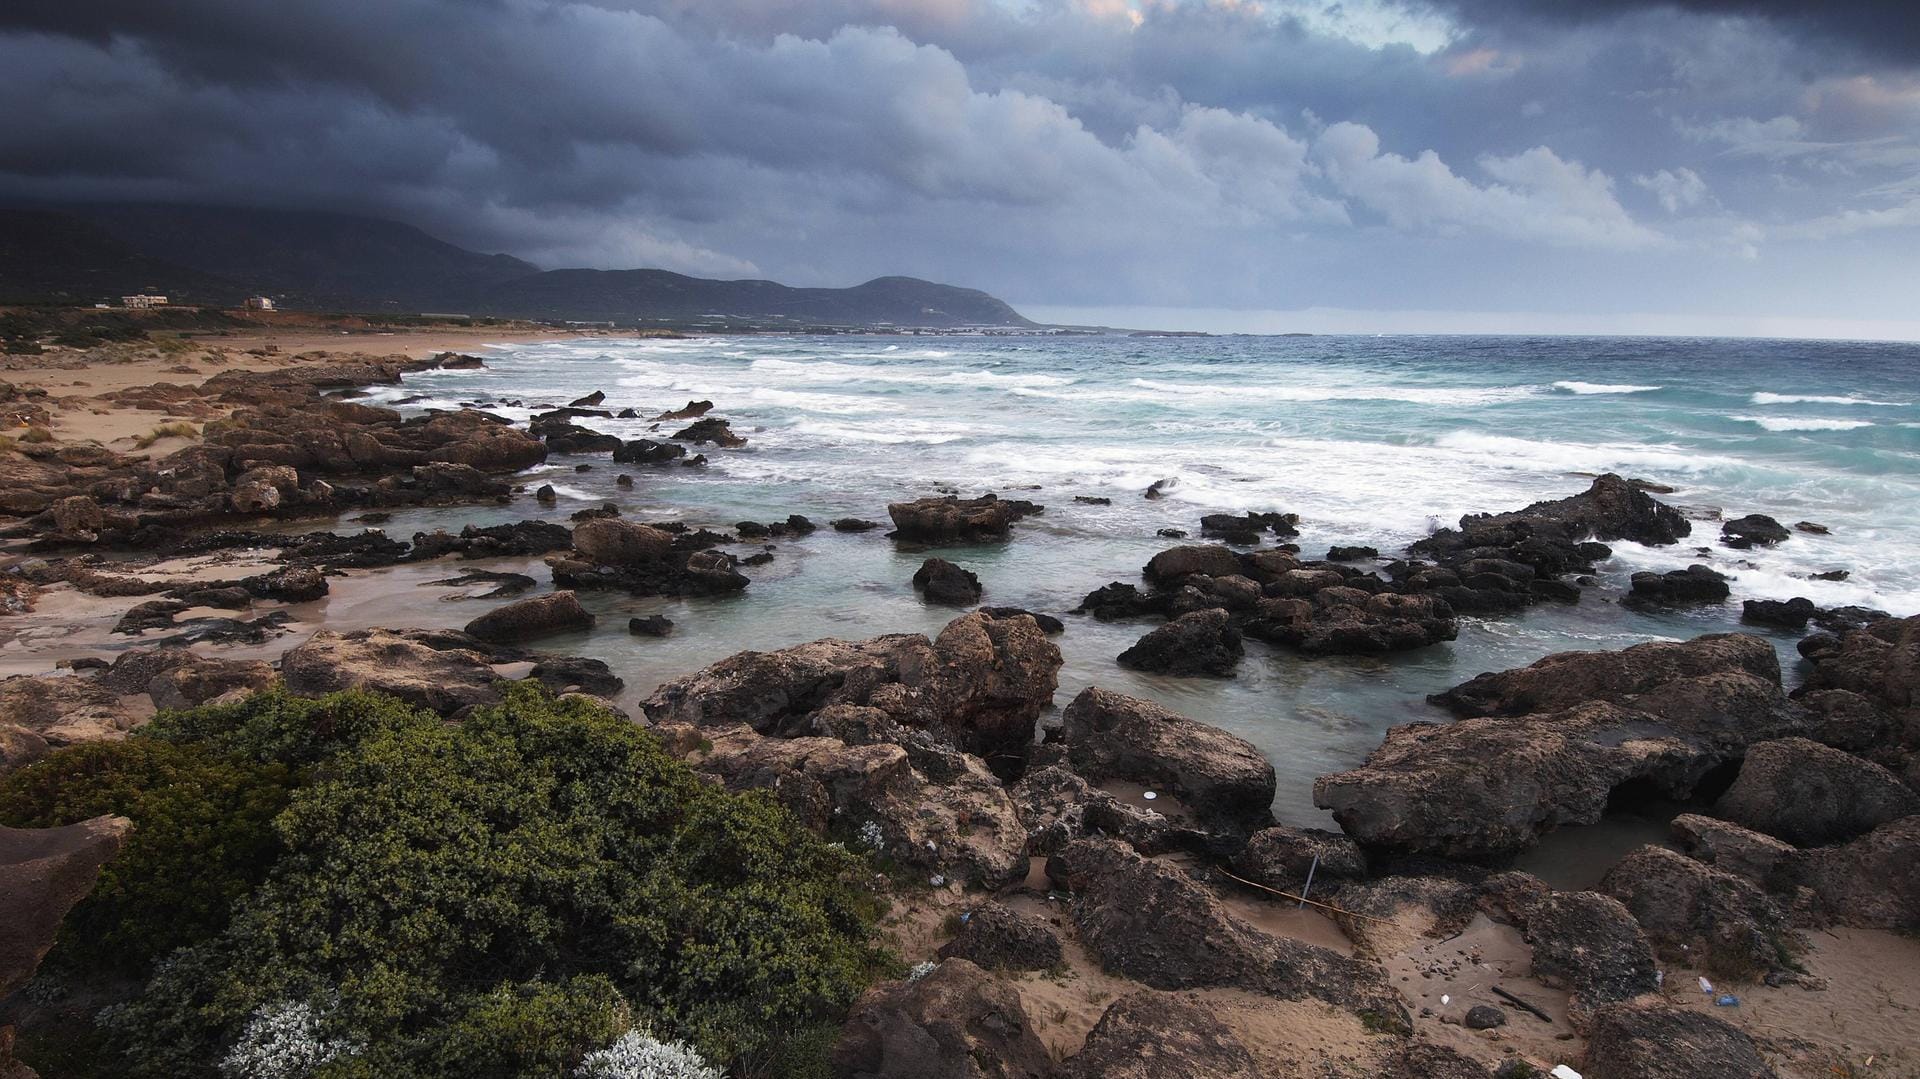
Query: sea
x: 1370, y: 440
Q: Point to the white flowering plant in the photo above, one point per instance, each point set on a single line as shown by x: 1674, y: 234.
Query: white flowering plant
x: 637, y: 1054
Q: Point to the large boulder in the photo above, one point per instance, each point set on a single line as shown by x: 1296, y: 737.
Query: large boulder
x: 1149, y: 1035
x: 982, y: 682
x: 1058, y: 806
x: 1589, y: 944
x: 1663, y: 1041
x: 1154, y: 923
x: 1699, y: 914
x: 1001, y: 939
x: 1611, y: 509
x: 1695, y: 584
x: 953, y: 1022
x: 952, y: 519
x: 1872, y: 882
x: 609, y: 541
x: 539, y: 616
x: 1340, y: 621
x: 1753, y: 530
x: 1281, y: 857
x: 203, y: 679
x: 1172, y: 565
x: 943, y: 582
x: 1220, y: 775
x: 1199, y: 642
x: 1811, y: 796
x: 43, y: 873
x: 1565, y: 679
x: 446, y: 681
x: 43, y: 712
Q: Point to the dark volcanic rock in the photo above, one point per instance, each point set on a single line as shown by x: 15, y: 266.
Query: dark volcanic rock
x: 539, y: 616
x: 646, y: 451
x: 853, y: 524
x: 1175, y: 563
x: 943, y: 582
x: 952, y: 519
x: 1662, y: 1041
x: 1160, y: 1036
x: 1484, y: 1017
x: 1202, y: 642
x: 1810, y: 795
x: 711, y: 430
x: 1341, y: 621
x: 1000, y: 939
x: 1753, y: 530
x: 1048, y: 624
x: 1695, y: 584
x: 1611, y: 509
x: 653, y: 625
x: 1588, y: 944
x: 1351, y: 554
x: 1696, y: 913
x: 955, y: 1022
x: 1790, y: 614
x: 1280, y: 857
x: 1221, y: 776
x: 1119, y: 600
x: 1565, y: 679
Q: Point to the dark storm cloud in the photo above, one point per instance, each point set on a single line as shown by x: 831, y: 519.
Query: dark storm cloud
x: 1287, y: 153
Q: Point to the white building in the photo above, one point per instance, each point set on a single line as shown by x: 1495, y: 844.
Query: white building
x: 260, y: 303
x: 143, y: 300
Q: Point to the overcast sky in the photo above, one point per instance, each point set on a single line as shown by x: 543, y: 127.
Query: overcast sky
x: 1706, y: 166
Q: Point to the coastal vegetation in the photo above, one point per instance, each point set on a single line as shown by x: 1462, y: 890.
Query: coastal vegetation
x: 349, y: 886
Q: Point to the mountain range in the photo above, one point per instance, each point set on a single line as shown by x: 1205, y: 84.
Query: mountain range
x: 316, y: 260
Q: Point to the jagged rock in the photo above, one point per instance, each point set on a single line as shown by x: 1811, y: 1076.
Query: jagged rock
x: 1700, y: 914
x: 76, y: 514
x: 1356, y: 553
x: 1611, y: 509
x: 943, y: 582
x: 1160, y: 1036
x: 1152, y: 922
x: 207, y: 678
x: 1334, y: 622
x: 262, y: 489
x: 1664, y: 715
x: 294, y: 584
x: 613, y: 542
x: 1790, y: 614
x: 956, y: 520
x: 982, y: 681
x: 538, y: 616
x: 1565, y: 679
x: 1695, y: 584
x: 1280, y: 857
x: 1000, y: 939
x: 1119, y: 600
x: 576, y: 674
x: 1048, y: 624
x: 646, y: 451
x: 504, y: 584
x: 1753, y: 530
x: 1872, y: 882
x: 1484, y: 1017
x: 1059, y: 806
x: 43, y: 712
x: 1662, y: 1041
x: 693, y: 410
x: 43, y: 873
x: 1588, y: 944
x: 954, y: 1022
x: 1772, y: 864
x: 1201, y: 642
x: 1221, y: 776
x: 1811, y: 795
x: 446, y: 681
x: 853, y: 524
x: 1175, y: 563
x: 711, y: 430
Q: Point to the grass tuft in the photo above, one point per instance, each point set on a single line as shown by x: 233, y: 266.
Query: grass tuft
x: 167, y: 430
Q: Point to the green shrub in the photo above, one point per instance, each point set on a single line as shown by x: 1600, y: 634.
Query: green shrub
x: 488, y: 898
x: 203, y: 838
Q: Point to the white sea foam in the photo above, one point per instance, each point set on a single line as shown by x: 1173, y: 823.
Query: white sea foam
x: 891, y: 433
x: 1814, y: 399
x: 1419, y: 395
x: 1790, y: 423
x: 1585, y: 388
x: 1505, y: 451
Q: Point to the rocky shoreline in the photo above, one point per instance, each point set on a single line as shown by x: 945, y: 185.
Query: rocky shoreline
x: 1094, y: 886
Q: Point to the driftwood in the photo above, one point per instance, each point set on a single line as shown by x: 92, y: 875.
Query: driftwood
x: 1518, y: 1003
x: 1304, y: 899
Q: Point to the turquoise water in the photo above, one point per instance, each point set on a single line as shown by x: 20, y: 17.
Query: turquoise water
x: 1369, y: 440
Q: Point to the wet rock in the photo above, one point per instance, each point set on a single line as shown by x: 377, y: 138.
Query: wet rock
x: 1154, y: 923
x: 538, y: 616
x: 1788, y: 614
x: 1175, y: 563
x: 546, y: 494
x: 576, y: 674
x: 1093, y: 500
x: 1696, y: 913
x: 623, y: 480
x: 1048, y: 624
x: 1119, y: 600
x: 592, y: 400
x: 1338, y: 553
x: 943, y: 582
x: 952, y: 519
x: 43, y: 873
x: 1201, y: 642
x: 1611, y: 509
x: 1280, y: 857
x: 1000, y: 939
x: 646, y: 451
x: 1695, y: 584
x: 1663, y: 1041
x: 1811, y: 528
x: 1565, y: 679
x: 1811, y: 795
x: 955, y: 1022
x: 504, y: 584
x: 1588, y: 944
x: 613, y: 542
x: 1222, y: 777
x: 711, y: 430
x: 853, y: 524
x: 1339, y: 621
x: 446, y: 681
x: 693, y: 410
x: 1753, y: 530
x: 653, y: 625
x: 983, y: 681
x: 1160, y: 1036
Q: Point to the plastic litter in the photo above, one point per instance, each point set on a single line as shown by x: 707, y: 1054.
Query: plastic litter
x: 1150, y: 796
x: 1445, y: 999
x: 1727, y: 1000
x: 1706, y: 986
x: 1561, y: 1071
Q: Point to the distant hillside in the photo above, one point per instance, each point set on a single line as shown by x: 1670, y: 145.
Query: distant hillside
x: 326, y: 261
